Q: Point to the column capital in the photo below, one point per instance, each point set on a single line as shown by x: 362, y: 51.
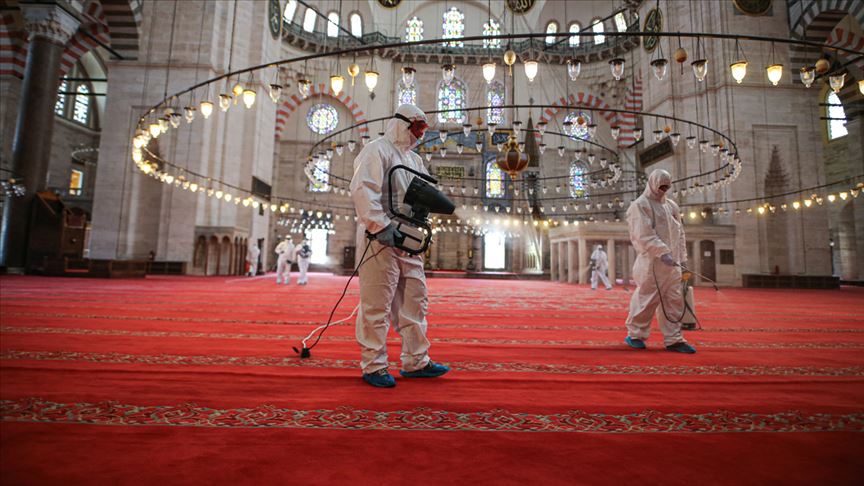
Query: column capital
x: 49, y: 21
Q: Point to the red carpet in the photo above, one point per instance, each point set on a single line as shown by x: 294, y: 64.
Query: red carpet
x: 185, y: 380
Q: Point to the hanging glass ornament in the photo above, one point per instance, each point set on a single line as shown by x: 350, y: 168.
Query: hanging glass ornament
x: 659, y: 67
x: 352, y: 144
x: 617, y: 67
x: 615, y: 131
x: 691, y: 142
x: 574, y: 68
x: 448, y: 71
x: 408, y: 73
x: 808, y: 75
x: 700, y: 69
x: 275, y: 92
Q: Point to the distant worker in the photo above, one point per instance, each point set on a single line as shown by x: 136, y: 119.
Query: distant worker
x: 657, y: 234
x: 303, y: 253
x: 599, y: 265
x: 284, y: 260
x: 252, y: 259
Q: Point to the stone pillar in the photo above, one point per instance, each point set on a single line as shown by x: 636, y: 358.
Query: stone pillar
x: 562, y: 261
x: 553, y: 261
x: 572, y: 262
x: 695, y: 262
x: 50, y: 27
x: 584, y: 275
x: 610, y: 252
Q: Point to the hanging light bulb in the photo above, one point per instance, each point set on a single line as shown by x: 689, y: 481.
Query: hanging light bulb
x: 541, y: 148
x: 448, y: 71
x: 249, y: 96
x: 174, y: 120
x: 275, y: 91
x: 340, y: 149
x: 659, y: 68
x: 442, y: 135
x: 561, y: 151
x: 337, y: 82
x: 517, y: 127
x: 691, y: 142
x: 700, y: 69
x: 408, y: 75
x: 637, y: 134
x: 615, y: 131
x: 459, y: 148
x: 206, y: 109
x: 510, y: 59
x: 224, y: 101
x: 329, y: 153
x: 371, y: 80
x: 703, y: 145
x: 531, y: 68
x: 443, y: 151
x: 617, y: 67
x: 591, y: 158
x: 775, y: 73
x: 574, y: 67
x: 739, y: 70
x: 541, y: 128
x: 189, y: 112
x: 675, y: 138
x: 238, y: 89
x: 428, y: 156
x: 489, y: 72
x: 808, y: 75
x: 491, y: 127
x: 304, y: 87
x: 352, y: 144
x: 478, y: 146
x: 603, y: 162
x: 466, y: 129
x: 499, y: 146
x: 836, y: 81
x: 658, y: 134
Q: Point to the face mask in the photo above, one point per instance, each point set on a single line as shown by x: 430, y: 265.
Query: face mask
x: 417, y: 128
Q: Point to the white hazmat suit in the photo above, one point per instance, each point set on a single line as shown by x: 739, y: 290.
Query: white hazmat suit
x: 285, y: 255
x: 392, y: 283
x: 601, y: 266
x: 657, y: 234
x: 303, y: 254
x: 252, y: 258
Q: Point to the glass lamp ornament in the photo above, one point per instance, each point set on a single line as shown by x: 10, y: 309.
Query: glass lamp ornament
x: 637, y: 134
x: 591, y: 158
x: 174, y: 120
x: 224, y: 101
x: 206, y: 109
x: 561, y: 150
x: 237, y: 90
x: 512, y: 160
x: 443, y: 151
x: 659, y: 67
x: 352, y: 144
x: 249, y: 96
x: 615, y: 131
x: 371, y: 78
x: 275, y: 91
x: 189, y: 113
x: 531, y: 68
x: 337, y: 82
x: 448, y: 71
x: 489, y: 72
x: 739, y: 71
x: 691, y: 142
x: 491, y: 127
x: 340, y: 149
x: 700, y: 69
x: 704, y: 145
x: 364, y: 139
x: 541, y: 148
x: 592, y: 130
x: 861, y: 86
x: 408, y: 74
x: 836, y: 81
x: 574, y: 68
x: 459, y: 148
x: 478, y: 146
x: 617, y: 67
x: 775, y: 73
x: 466, y: 129
x: 442, y: 135
x: 517, y: 127
x: 304, y: 87
x: 675, y: 138
x: 658, y: 135
x: 541, y: 128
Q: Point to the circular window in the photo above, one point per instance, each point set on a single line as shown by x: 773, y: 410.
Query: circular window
x: 322, y: 118
x: 576, y: 130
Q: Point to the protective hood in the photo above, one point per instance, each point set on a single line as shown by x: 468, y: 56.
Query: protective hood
x: 397, y: 129
x: 656, y: 179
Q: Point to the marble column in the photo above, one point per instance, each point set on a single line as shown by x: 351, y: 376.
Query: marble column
x: 584, y: 274
x: 562, y: 261
x: 49, y: 27
x: 572, y: 262
x: 610, y: 253
x: 553, y: 261
x: 695, y: 261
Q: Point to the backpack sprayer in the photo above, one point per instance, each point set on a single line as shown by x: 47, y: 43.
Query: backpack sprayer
x: 413, y: 236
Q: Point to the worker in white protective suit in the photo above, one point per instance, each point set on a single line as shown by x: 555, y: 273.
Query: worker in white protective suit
x: 600, y: 265
x: 252, y: 258
x: 657, y: 234
x: 284, y: 260
x: 303, y: 255
x: 392, y: 283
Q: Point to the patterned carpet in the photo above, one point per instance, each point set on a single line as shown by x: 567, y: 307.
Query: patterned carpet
x: 188, y: 380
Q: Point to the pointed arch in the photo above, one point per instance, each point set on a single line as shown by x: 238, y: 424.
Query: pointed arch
x: 289, y: 106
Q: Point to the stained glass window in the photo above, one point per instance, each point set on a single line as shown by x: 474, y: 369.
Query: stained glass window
x: 60, y: 105
x: 494, y: 180
x: 407, y: 94
x: 290, y: 10
x: 451, y: 97
x: 320, y: 175
x: 577, y: 181
x: 574, y: 39
x: 322, y: 118
x: 453, y: 26
x: 332, y: 24
x: 309, y: 20
x: 597, y: 27
x: 620, y: 22
x: 837, y: 125
x: 414, y: 30
x: 551, y: 30
x: 491, y: 28
x: 356, y: 25
x: 494, y: 99
x: 81, y: 112
x: 577, y: 131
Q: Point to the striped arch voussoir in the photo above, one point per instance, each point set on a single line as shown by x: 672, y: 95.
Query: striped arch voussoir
x: 93, y: 23
x: 290, y: 105
x: 818, y: 9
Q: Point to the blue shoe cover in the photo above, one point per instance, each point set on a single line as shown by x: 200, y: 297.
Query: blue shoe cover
x: 634, y: 343
x: 431, y: 370
x: 681, y: 348
x: 380, y: 379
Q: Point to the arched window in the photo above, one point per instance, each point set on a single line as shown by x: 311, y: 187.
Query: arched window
x: 81, y: 111
x: 577, y: 130
x: 320, y: 181
x: 451, y: 99
x: 333, y: 24
x: 60, y: 105
x: 597, y: 28
x: 414, y: 30
x: 551, y: 30
x: 356, y: 24
x: 494, y: 180
x: 309, y: 20
x: 574, y: 39
x: 453, y: 27
x: 491, y: 28
x: 577, y: 181
x: 322, y: 118
x: 836, y: 115
x: 494, y: 100
x: 406, y: 94
x: 290, y: 10
x: 620, y: 22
